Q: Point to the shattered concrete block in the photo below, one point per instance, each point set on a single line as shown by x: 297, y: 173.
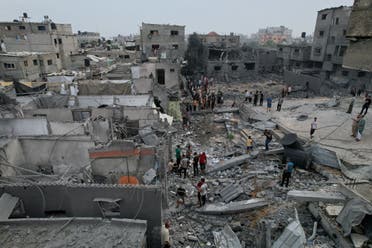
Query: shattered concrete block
x: 226, y: 238
x: 7, y: 205
x: 334, y: 210
x: 358, y: 240
x: 233, y: 207
x: 149, y: 176
x: 230, y: 192
x: 230, y: 163
x: 192, y: 238
x: 293, y: 236
x: 310, y: 196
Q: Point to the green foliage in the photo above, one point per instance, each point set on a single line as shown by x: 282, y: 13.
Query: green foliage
x: 230, y: 136
x: 195, y: 55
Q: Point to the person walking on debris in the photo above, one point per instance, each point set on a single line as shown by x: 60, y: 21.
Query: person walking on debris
x: 178, y: 155
x: 195, y: 164
x: 203, y: 162
x: 269, y: 101
x: 184, y: 166
x: 280, y: 103
x: 188, y: 151
x: 351, y: 105
x: 354, y: 126
x: 269, y: 136
x: 313, y: 127
x: 249, y: 144
x: 361, y: 126
x: 366, y: 104
x: 165, y: 237
x: 171, y: 166
x: 246, y: 95
x: 289, y: 90
x: 261, y: 98
x: 219, y: 97
x: 202, y: 191
x: 255, y: 98
x: 287, y: 172
x: 181, y: 193
x: 250, y: 97
x: 198, y: 186
x: 213, y: 100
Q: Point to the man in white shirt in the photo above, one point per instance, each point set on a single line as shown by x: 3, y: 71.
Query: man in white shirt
x: 314, y: 126
x: 203, y: 191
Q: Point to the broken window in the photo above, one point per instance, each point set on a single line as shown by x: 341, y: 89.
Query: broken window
x: 8, y: 28
x: 342, y: 51
x: 155, y: 46
x: 154, y: 32
x: 175, y: 46
x: 59, y: 41
x: 35, y: 62
x: 296, y: 52
x: 81, y: 115
x: 337, y: 21
x: 174, y: 32
x: 321, y: 33
x: 41, y: 28
x: 171, y: 70
x: 53, y: 26
x: 22, y: 27
x: 55, y: 42
x: 50, y: 62
x: 317, y: 51
x: 57, y: 55
x: 281, y: 49
x: 234, y: 67
x: 25, y: 63
x: 126, y: 56
x: 249, y: 66
x: 361, y: 74
x: 108, y: 207
x: 324, y: 16
x: 345, y: 73
x: 344, y: 32
x: 160, y: 75
x: 217, y: 68
x: 9, y: 66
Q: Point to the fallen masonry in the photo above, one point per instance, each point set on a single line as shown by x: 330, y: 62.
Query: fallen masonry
x: 312, y: 196
x: 233, y: 207
x: 230, y: 163
x: 226, y: 238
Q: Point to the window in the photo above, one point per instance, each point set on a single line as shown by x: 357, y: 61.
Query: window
x: 22, y: 27
x: 154, y: 32
x: 249, y: 66
x: 296, y: 52
x: 337, y: 21
x: 35, y: 62
x: 281, y: 49
x: 9, y: 66
x: 171, y: 70
x: 217, y: 68
x: 59, y: 41
x: 317, y: 51
x: 81, y: 115
x: 57, y: 55
x: 175, y: 46
x: 25, y: 63
x: 345, y: 73
x: 342, y: 50
x: 53, y: 26
x: 41, y: 28
x: 50, y: 62
x: 126, y: 56
x: 329, y: 57
x: 361, y: 73
x: 324, y: 16
x: 344, y: 32
x: 155, y: 46
x: 234, y: 67
x: 8, y: 28
x: 174, y: 32
x: 55, y: 42
x: 160, y: 76
x: 321, y: 33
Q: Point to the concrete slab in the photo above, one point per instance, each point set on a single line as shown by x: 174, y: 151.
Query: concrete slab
x: 226, y: 110
x: 293, y: 236
x: 334, y: 210
x: 325, y: 157
x: 310, y: 196
x: 358, y: 240
x: 7, y: 205
x: 233, y: 207
x: 149, y: 176
x: 230, y: 163
x: 226, y: 238
x: 230, y: 192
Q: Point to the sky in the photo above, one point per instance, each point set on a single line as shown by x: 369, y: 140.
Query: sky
x: 113, y: 17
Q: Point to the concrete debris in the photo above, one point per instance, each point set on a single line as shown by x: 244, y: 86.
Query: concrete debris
x: 230, y: 163
x: 310, y: 196
x: 7, y: 205
x: 149, y: 137
x: 292, y: 237
x: 230, y: 192
x: 358, y: 240
x: 324, y: 156
x: 226, y: 238
x: 233, y: 207
x: 149, y: 176
x: 334, y: 210
x: 226, y: 110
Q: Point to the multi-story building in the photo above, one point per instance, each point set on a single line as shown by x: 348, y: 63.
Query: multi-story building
x: 167, y: 42
x: 212, y: 39
x: 88, y: 38
x: 276, y: 35
x: 40, y: 37
x: 294, y: 56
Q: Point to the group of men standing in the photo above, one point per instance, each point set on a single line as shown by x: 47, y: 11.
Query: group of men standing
x: 185, y: 160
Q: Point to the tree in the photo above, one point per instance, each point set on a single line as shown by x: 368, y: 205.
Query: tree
x: 195, y: 55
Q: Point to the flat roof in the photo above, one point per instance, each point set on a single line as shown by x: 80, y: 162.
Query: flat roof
x: 24, y: 54
x: 72, y: 232
x: 122, y: 100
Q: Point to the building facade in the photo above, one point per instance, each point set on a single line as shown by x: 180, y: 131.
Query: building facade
x: 276, y: 35
x: 88, y: 38
x: 166, y: 42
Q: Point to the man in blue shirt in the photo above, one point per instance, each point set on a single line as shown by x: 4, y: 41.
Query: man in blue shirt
x: 287, y: 173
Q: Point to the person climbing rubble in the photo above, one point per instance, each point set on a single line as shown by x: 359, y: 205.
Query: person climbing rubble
x: 195, y: 164
x: 203, y: 162
x: 184, y: 166
x: 269, y: 101
x: 269, y: 137
x: 249, y: 144
x: 287, y: 172
x: 366, y: 105
x: 261, y: 98
x: 255, y: 98
x: 361, y: 126
x: 313, y: 127
x: 181, y: 193
x: 202, y: 188
x: 188, y: 151
x: 354, y: 126
x: 165, y: 237
x: 280, y: 103
x: 178, y: 155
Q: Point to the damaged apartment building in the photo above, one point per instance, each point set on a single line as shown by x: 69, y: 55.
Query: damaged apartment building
x: 30, y: 50
x: 321, y: 62
x: 227, y: 60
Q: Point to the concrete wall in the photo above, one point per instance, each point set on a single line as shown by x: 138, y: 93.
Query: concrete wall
x: 137, y: 202
x: 23, y: 127
x: 60, y: 114
x: 11, y: 151
x: 293, y: 78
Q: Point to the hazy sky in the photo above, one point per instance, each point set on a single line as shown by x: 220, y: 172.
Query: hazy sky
x: 112, y: 17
